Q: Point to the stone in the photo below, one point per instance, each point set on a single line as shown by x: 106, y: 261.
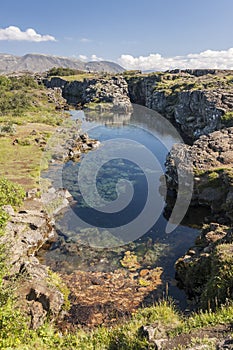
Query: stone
x: 211, y: 158
x: 25, y: 233
x: 104, y: 93
x: 225, y: 344
x: 194, y: 111
x: 155, y: 334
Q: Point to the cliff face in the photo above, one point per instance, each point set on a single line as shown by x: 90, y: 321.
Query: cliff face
x: 195, y: 103
x: 104, y: 92
x: 212, y: 161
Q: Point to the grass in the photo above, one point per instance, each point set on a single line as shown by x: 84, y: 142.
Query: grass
x: 79, y: 77
x: 120, y: 337
x: 22, y: 163
x: 175, y: 83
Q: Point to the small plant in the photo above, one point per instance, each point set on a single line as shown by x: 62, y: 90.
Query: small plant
x: 8, y: 128
x: 227, y: 119
x: 10, y: 193
x: 3, y: 220
x: 143, y: 282
x: 56, y: 281
x: 130, y: 261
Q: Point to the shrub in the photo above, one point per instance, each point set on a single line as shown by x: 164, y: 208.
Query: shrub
x: 10, y: 193
x: 60, y: 71
x: 227, y: 119
x: 25, y: 81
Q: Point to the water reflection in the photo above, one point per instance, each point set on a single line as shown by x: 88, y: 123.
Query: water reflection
x: 74, y: 248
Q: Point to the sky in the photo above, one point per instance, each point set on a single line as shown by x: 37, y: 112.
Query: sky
x: 138, y: 34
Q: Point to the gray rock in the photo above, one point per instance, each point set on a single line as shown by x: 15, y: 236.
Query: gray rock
x: 25, y: 233
x: 105, y: 93
x: 225, y: 344
x: 196, y: 111
x: 212, y: 159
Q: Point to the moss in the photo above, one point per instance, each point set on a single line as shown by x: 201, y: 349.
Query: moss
x: 194, y: 274
x: 219, y: 287
x: 56, y: 281
x: 130, y: 261
x: 227, y: 119
x: 143, y: 282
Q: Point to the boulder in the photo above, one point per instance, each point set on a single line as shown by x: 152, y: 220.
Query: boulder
x: 211, y: 158
x: 25, y: 233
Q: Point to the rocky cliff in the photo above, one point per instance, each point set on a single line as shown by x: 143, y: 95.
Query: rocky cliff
x: 212, y: 162
x: 103, y: 93
x: 195, y: 101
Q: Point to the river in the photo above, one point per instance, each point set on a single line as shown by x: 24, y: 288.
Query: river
x: 91, y: 239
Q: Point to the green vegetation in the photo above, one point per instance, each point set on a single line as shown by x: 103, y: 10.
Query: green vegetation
x: 55, y: 280
x: 10, y: 194
x: 131, y: 73
x: 71, y: 74
x: 120, y: 337
x: 11, y: 320
x: 23, y: 100
x: 219, y: 285
x: 81, y: 76
x: 60, y: 71
x: 174, y: 83
x: 227, y: 119
x: 20, y: 160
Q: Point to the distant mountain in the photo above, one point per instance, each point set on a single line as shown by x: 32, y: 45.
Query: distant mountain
x: 40, y: 63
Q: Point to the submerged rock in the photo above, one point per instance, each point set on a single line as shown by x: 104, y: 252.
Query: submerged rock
x: 102, y: 298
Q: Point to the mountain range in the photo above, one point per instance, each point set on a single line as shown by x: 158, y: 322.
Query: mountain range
x: 40, y: 63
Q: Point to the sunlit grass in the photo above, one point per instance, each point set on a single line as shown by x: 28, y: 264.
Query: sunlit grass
x: 19, y: 163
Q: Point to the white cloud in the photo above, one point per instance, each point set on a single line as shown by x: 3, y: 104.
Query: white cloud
x: 15, y: 33
x: 96, y: 58
x: 83, y: 57
x: 206, y: 59
x: 85, y: 40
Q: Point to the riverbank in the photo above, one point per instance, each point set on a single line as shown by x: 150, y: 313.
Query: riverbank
x: 148, y: 327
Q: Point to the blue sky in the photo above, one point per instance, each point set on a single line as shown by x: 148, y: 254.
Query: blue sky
x: 120, y: 30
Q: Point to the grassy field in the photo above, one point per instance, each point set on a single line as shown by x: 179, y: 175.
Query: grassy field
x: 28, y: 117
x: 20, y: 155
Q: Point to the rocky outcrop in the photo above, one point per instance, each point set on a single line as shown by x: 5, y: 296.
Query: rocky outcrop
x: 25, y: 233
x: 212, y: 161
x: 194, y: 101
x: 104, y: 93
x: 55, y: 96
x: 205, y: 271
x: 69, y: 144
